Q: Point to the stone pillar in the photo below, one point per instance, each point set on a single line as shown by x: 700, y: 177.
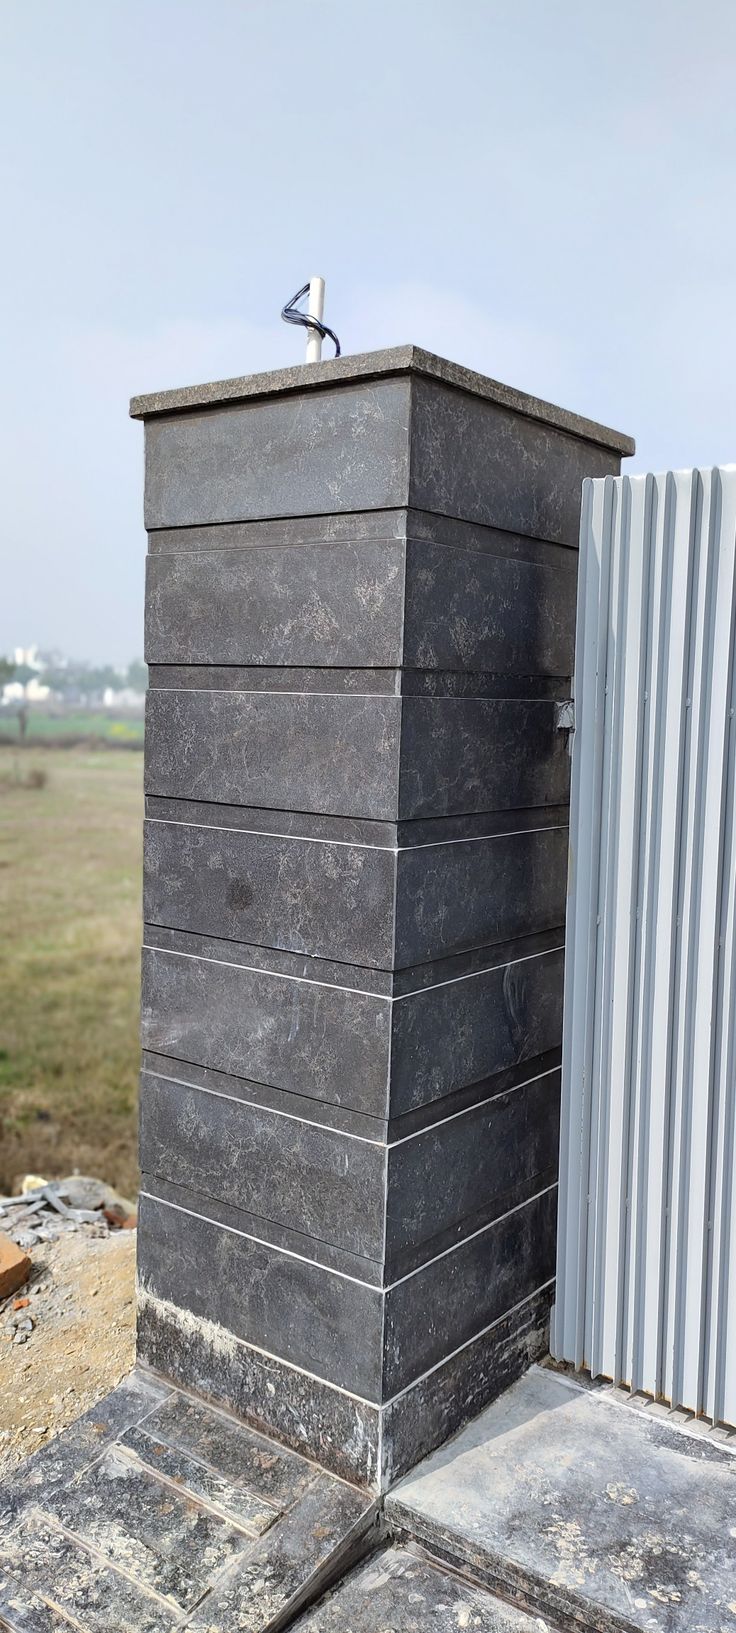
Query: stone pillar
x: 359, y: 622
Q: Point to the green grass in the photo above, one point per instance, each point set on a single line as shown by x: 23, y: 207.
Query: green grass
x: 75, y: 723
x: 70, y: 857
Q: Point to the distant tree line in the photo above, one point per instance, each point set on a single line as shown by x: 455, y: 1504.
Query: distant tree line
x: 76, y: 682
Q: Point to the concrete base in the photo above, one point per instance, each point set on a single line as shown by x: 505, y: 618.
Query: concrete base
x: 583, y: 1510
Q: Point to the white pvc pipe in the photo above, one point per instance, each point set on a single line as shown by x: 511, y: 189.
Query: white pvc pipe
x: 315, y: 308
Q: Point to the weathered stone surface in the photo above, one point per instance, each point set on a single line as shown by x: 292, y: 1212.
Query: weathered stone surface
x: 322, y: 604
x: 249, y: 1462
x: 452, y: 1298
x: 459, y: 1174
x: 438, y: 1404
x: 288, y: 1564
x: 370, y: 1445
x: 152, y: 1531
x: 55, y: 1464
x: 400, y: 1590
x: 228, y: 1497
x: 584, y: 1509
x: 315, y: 1180
x: 327, y: 1323
x: 340, y: 1431
x: 192, y: 1521
x: 340, y: 449
x: 50, y: 1582
x: 346, y: 1332
x: 362, y: 903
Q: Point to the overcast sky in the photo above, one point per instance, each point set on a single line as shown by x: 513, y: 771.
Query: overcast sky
x: 542, y: 191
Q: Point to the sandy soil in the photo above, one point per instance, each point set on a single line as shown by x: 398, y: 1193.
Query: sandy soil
x: 82, y: 1304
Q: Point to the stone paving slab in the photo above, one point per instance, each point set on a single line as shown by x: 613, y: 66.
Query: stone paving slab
x: 157, y: 1512
x: 584, y: 1510
x: 399, y: 1591
x: 280, y: 1572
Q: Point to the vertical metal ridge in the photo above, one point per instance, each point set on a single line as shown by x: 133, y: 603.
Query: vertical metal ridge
x: 598, y: 1164
x: 630, y: 1310
x: 577, y: 1042
x: 719, y: 1383
x: 647, y: 1225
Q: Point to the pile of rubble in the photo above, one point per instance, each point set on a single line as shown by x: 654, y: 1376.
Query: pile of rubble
x: 67, y: 1306
x: 43, y: 1211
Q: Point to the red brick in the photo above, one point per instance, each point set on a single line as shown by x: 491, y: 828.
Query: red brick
x: 15, y: 1266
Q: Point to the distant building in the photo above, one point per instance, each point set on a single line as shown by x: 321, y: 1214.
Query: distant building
x: 29, y: 691
x: 123, y: 697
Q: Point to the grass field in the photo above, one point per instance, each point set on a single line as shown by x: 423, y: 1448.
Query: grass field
x: 123, y: 730
x: 69, y: 962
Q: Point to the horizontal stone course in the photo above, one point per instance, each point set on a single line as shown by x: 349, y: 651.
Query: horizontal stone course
x: 472, y: 459
x: 366, y: 603
x: 341, y: 449
x: 318, y: 1181
x: 205, y: 1002
x: 403, y: 438
x: 328, y: 604
x: 395, y: 1204
x: 370, y: 1341
x: 462, y: 1171
x: 354, y: 902
x: 272, y: 1233
x: 327, y: 1323
x: 370, y: 756
x: 449, y: 1300
x: 298, y: 1034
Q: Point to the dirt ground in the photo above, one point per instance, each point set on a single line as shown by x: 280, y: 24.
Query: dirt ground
x: 82, y: 1305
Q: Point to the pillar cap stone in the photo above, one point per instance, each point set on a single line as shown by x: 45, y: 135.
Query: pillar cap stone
x: 396, y: 360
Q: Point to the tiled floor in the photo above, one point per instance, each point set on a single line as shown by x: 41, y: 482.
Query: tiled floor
x: 155, y: 1512
x: 586, y: 1511
x: 399, y: 1591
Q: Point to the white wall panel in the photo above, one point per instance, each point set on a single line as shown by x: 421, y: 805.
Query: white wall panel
x: 646, y: 1290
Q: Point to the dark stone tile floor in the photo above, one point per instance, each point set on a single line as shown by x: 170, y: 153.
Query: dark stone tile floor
x: 592, y: 1515
x: 156, y: 1512
x: 401, y: 1591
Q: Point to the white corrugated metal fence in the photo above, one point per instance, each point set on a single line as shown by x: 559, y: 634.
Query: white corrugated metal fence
x: 646, y: 1290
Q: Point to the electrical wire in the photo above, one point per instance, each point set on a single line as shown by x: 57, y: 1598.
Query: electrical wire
x: 291, y: 314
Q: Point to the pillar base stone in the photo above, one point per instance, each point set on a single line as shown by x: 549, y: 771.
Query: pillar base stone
x: 371, y: 1446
